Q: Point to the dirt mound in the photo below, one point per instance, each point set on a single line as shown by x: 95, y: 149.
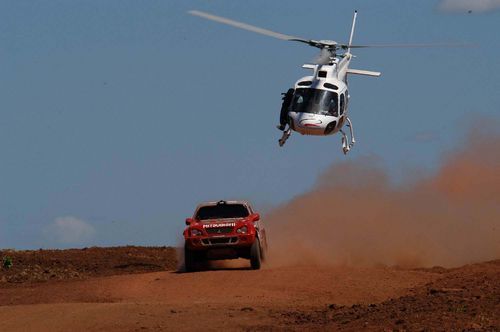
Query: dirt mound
x: 43, y: 265
x: 466, y: 298
x: 292, y: 298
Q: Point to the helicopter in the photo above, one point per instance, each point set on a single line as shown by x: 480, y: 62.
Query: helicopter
x: 318, y: 103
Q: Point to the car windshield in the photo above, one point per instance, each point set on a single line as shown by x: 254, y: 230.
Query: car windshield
x: 314, y: 101
x: 222, y: 211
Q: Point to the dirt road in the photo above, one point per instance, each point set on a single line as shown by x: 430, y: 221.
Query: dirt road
x: 291, y: 298
x: 234, y: 298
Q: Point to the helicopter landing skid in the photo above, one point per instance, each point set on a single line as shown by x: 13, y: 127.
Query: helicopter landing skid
x: 286, y: 134
x: 346, y: 144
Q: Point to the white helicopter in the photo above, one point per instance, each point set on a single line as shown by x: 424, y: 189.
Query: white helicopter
x: 318, y: 104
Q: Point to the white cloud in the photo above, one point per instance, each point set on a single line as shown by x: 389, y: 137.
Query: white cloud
x: 69, y: 230
x: 469, y: 5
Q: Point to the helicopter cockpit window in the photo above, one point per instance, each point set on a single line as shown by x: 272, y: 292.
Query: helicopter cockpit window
x: 315, y: 101
x: 342, y: 104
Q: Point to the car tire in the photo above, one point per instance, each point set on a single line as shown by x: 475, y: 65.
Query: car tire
x: 190, y: 261
x: 255, y: 258
x: 263, y: 254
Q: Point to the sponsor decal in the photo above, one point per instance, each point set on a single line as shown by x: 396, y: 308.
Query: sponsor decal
x: 310, y: 122
x: 227, y: 224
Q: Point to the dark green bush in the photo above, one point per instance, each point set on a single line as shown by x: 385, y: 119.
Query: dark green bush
x: 7, y: 262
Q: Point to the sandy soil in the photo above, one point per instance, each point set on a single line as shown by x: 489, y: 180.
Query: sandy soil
x: 45, y: 265
x: 236, y: 298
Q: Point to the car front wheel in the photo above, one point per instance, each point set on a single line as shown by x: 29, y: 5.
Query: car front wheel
x: 255, y: 258
x: 190, y: 260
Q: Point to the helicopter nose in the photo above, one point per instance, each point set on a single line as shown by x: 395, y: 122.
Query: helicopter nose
x: 310, y: 123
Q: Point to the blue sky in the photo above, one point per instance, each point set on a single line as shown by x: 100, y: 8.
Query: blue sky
x: 118, y: 117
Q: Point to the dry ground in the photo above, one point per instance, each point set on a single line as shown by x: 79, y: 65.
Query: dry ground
x: 100, y: 289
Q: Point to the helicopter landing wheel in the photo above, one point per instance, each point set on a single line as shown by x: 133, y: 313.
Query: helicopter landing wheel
x: 285, y: 136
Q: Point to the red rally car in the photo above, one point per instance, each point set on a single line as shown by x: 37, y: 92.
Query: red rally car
x: 224, y: 230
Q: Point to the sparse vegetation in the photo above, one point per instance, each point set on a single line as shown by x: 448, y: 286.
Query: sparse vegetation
x: 7, y: 262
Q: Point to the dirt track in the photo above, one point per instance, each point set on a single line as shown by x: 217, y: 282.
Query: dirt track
x: 292, y: 298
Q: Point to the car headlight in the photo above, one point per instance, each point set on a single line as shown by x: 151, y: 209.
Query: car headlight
x: 196, y: 232
x: 242, y: 230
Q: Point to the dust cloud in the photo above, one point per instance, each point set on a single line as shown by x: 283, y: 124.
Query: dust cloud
x: 356, y: 216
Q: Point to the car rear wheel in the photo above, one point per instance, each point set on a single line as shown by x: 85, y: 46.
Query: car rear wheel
x: 255, y: 258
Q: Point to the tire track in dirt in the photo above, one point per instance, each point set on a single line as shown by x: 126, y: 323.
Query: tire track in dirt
x: 237, y: 298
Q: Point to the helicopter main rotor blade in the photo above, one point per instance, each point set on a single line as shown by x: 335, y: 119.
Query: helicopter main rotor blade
x: 247, y: 27
x: 409, y: 45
